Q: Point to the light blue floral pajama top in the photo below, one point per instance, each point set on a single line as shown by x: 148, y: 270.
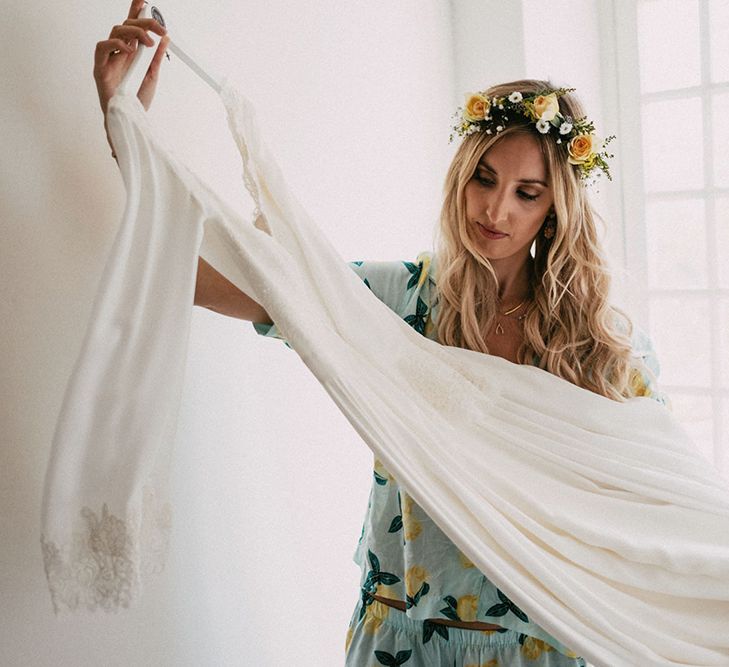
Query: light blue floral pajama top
x: 401, y: 552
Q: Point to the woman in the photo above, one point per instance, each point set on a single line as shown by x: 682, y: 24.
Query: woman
x: 514, y: 184
x: 506, y: 191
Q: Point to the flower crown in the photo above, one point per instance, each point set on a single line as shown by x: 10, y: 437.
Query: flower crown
x: 491, y: 115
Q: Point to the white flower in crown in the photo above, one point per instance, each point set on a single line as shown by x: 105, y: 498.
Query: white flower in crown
x: 565, y: 128
x: 543, y: 125
x: 515, y: 97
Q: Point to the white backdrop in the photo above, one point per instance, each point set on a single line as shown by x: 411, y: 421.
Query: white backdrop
x: 270, y: 482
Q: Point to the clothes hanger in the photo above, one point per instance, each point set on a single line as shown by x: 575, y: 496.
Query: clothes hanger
x: 134, y: 76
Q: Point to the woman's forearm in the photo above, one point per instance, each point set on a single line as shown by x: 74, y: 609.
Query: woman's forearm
x: 215, y: 292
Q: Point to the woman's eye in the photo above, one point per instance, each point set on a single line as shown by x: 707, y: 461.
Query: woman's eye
x: 484, y: 180
x: 527, y: 196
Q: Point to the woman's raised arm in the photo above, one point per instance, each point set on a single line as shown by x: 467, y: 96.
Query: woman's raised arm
x: 215, y: 292
x: 113, y: 57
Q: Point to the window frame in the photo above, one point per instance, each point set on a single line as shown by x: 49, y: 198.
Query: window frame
x: 625, y: 100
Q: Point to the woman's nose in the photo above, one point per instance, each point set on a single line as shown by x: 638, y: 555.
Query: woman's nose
x: 497, y: 208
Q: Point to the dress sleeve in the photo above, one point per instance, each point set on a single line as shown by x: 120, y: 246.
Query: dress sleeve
x: 392, y: 282
x: 644, y: 378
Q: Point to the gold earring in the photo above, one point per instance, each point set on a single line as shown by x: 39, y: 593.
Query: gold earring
x: 549, y: 229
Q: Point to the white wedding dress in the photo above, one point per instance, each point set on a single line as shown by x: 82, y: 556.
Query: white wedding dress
x: 600, y: 519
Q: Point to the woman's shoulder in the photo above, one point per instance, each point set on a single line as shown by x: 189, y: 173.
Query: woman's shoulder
x: 428, y: 262
x: 640, y: 341
x: 401, y: 276
x: 403, y: 285
x: 646, y: 366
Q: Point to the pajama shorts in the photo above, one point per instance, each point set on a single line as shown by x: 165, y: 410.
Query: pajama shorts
x: 384, y: 635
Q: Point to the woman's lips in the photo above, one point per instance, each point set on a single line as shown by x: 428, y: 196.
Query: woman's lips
x: 489, y: 234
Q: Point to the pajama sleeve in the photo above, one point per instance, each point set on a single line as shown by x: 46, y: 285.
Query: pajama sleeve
x: 645, y: 378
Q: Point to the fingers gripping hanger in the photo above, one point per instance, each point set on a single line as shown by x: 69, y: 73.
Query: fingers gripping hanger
x: 132, y: 80
x: 134, y: 76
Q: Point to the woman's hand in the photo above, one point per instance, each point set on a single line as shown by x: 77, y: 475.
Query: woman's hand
x: 114, y: 55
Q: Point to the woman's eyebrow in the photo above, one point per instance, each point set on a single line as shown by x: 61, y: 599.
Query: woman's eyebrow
x: 485, y: 164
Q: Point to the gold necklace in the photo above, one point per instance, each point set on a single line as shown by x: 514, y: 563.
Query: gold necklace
x: 499, y: 328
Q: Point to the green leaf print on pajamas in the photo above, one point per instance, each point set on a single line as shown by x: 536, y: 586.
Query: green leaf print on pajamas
x: 465, y: 608
x: 386, y: 658
x: 415, y: 270
x: 375, y: 577
x: 429, y: 628
x: 417, y: 321
x: 505, y: 607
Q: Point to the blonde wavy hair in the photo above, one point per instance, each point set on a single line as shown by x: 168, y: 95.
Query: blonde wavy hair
x: 570, y: 328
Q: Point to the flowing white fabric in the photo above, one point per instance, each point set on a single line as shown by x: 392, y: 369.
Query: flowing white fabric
x: 601, y: 520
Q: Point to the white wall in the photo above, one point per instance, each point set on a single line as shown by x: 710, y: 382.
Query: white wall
x: 488, y: 44
x: 270, y: 483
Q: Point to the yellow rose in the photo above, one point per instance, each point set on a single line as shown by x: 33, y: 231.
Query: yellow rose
x: 415, y: 577
x: 477, y: 107
x: 467, y: 607
x: 580, y: 150
x: 546, y: 106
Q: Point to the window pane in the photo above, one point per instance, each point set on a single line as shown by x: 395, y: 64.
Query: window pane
x: 668, y: 44
x: 723, y: 448
x: 721, y: 136
x: 676, y: 244
x: 680, y: 334
x: 673, y: 145
x: 719, y: 31
x: 695, y: 415
x: 721, y: 215
x: 723, y: 310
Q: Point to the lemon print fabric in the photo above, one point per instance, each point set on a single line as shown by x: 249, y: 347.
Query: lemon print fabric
x: 386, y: 636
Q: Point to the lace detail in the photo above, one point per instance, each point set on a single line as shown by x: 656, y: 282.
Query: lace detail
x: 100, y: 565
x: 232, y: 100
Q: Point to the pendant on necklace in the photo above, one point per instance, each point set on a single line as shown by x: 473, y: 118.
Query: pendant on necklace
x: 499, y: 328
